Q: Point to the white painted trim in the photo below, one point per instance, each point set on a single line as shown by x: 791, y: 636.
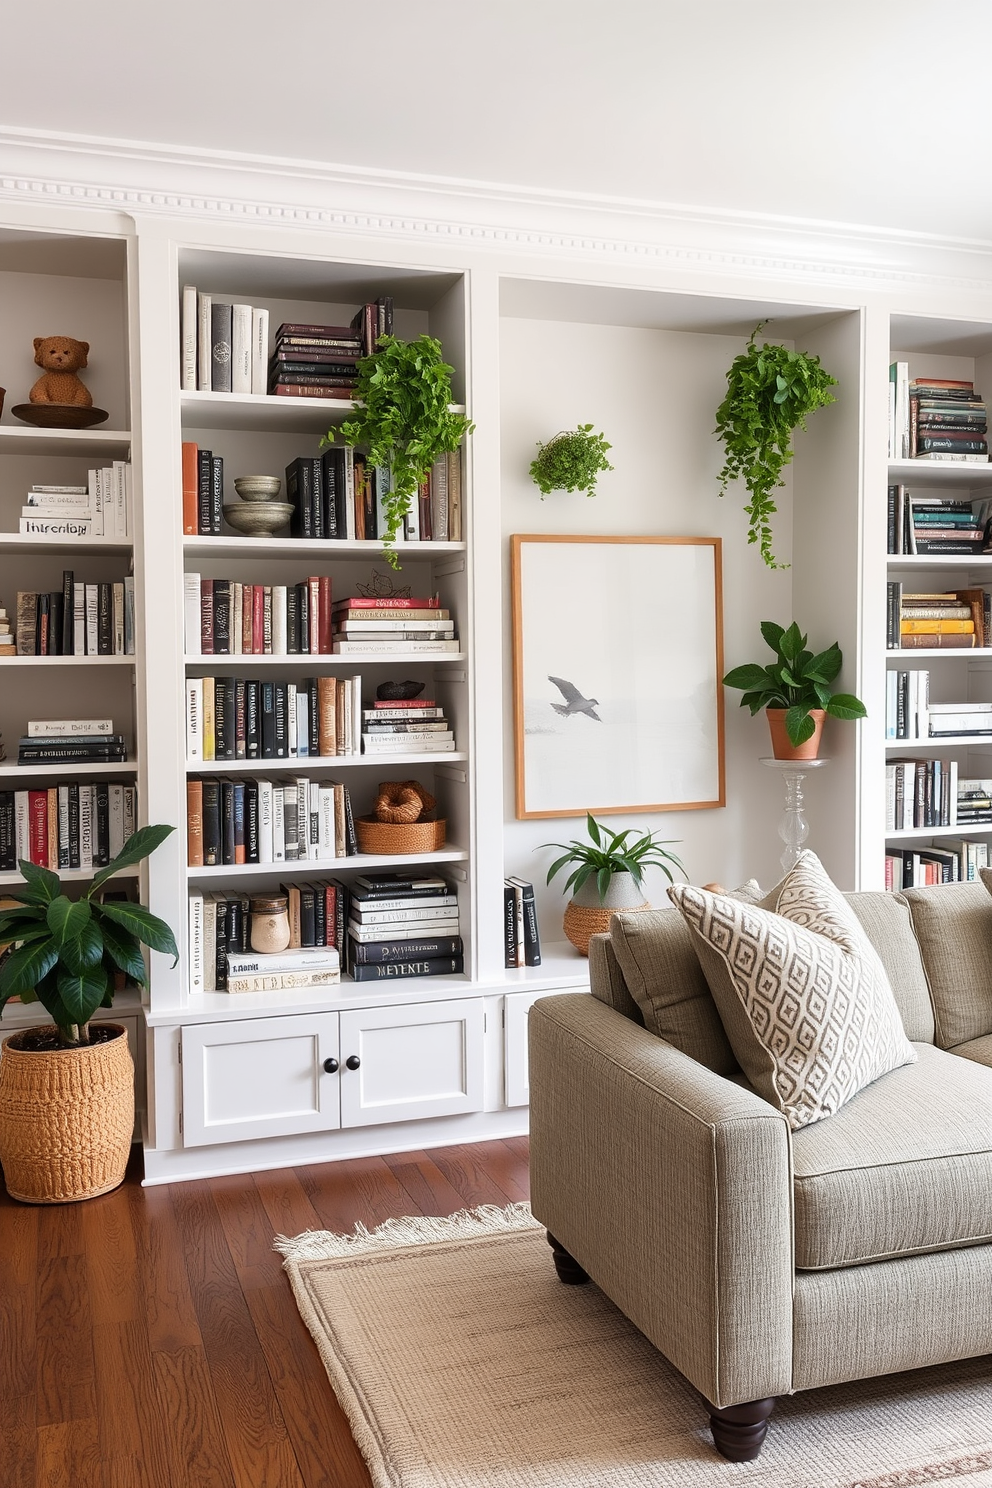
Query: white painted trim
x: 149, y: 179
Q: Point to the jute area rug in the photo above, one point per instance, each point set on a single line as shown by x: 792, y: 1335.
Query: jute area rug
x: 462, y: 1362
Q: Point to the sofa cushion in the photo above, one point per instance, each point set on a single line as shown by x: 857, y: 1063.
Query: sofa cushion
x: 954, y: 927
x: 801, y: 992
x: 980, y: 1050
x: 886, y: 920
x: 905, y: 1167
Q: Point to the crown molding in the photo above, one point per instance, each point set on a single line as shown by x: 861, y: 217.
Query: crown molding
x: 144, y: 179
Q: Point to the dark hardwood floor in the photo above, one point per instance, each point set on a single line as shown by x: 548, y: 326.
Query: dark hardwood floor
x: 148, y: 1338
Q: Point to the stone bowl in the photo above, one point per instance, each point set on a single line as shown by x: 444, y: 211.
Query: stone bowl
x: 257, y: 487
x: 258, y: 518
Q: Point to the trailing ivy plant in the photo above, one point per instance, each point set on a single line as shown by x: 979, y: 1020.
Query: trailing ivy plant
x: 570, y: 461
x: 404, y: 420
x: 770, y: 393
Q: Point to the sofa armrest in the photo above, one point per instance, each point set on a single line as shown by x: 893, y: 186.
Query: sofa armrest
x: 672, y: 1187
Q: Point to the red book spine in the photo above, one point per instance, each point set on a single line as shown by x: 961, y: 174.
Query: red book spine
x: 330, y: 912
x: 313, y: 585
x: 38, y: 825
x: 190, y: 488
x: 257, y: 619
x: 206, y: 617
x: 324, y: 615
x: 424, y: 501
x: 389, y: 603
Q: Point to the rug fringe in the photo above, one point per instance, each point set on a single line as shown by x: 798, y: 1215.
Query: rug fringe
x: 414, y: 1229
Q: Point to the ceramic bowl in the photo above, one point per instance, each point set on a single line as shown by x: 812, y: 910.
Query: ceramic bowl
x: 258, y: 518
x: 257, y: 487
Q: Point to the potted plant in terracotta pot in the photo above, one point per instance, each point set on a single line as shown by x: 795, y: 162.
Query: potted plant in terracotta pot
x: 67, y: 1088
x: 794, y: 691
x: 606, y: 877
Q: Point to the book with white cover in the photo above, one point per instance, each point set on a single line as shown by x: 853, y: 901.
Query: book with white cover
x: 67, y: 728
x: 116, y: 815
x: 57, y: 526
x: 265, y: 845
x: 204, y: 343
x: 194, y: 719
x: 241, y: 348
x: 78, y: 619
x: 188, y: 339
x: 196, y: 942
x: 92, y: 619
x: 283, y: 981
x: 444, y: 909
x: 241, y: 963
x: 365, y: 933
x: 407, y: 743
x: 259, y: 350
x: 402, y: 647
x: 129, y: 614
x: 63, y: 503
x: 191, y: 612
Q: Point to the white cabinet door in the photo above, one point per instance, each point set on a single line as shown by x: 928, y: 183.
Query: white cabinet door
x: 411, y: 1062
x: 263, y: 1077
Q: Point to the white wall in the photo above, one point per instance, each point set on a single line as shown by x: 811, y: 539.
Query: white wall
x: 654, y: 395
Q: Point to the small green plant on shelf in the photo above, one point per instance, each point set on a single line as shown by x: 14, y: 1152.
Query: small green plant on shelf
x: 770, y: 393
x: 404, y: 420
x: 66, y: 952
x: 570, y: 461
x: 607, y: 853
x: 797, y: 680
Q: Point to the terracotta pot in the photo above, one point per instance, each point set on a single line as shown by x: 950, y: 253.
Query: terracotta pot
x: 66, y: 1118
x: 587, y: 914
x: 783, y: 747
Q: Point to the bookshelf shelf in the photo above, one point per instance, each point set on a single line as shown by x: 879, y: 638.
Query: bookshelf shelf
x: 66, y: 661
x: 293, y: 547
x: 89, y: 443
x: 308, y: 764
x: 964, y: 561
x: 67, y: 771
x: 939, y: 472
x: 908, y: 834
x: 925, y: 656
x: 260, y: 413
x: 309, y: 866
x: 307, y: 661
x: 72, y: 875
x: 967, y: 741
x: 25, y: 542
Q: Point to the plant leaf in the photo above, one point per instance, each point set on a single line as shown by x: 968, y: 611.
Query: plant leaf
x: 66, y: 918
x: 799, y: 725
x: 125, y: 951
x: 26, y: 967
x: 592, y: 827
x: 748, y: 676
x: 141, y: 844
x: 772, y: 633
x: 845, y: 705
x: 81, y: 995
x: 141, y: 923
x: 42, y: 885
x: 86, y: 950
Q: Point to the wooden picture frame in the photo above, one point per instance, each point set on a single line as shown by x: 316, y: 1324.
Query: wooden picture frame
x: 617, y: 668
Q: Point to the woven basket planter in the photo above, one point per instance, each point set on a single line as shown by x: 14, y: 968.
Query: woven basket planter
x: 399, y: 837
x: 66, y: 1118
x: 580, y: 923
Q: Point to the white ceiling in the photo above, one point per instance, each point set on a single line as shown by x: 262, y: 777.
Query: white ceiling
x: 860, y: 111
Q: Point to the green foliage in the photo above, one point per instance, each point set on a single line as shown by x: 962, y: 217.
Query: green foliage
x: 798, y: 680
x: 571, y: 461
x: 770, y: 392
x: 609, y: 852
x: 67, y: 951
x: 405, y: 421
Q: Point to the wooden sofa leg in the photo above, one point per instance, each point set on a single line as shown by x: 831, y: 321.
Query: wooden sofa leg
x: 739, y: 1431
x: 568, y: 1268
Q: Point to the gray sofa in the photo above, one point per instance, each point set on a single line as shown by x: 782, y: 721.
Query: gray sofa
x: 761, y: 1261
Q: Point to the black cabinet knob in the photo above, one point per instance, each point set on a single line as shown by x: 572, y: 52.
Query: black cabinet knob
x: 330, y: 1066
x: 353, y: 1061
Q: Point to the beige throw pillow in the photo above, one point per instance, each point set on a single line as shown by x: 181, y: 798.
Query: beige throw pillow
x: 801, y: 991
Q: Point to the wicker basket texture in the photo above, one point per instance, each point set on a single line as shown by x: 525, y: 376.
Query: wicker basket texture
x: 66, y: 1119
x: 582, y: 922
x: 399, y: 837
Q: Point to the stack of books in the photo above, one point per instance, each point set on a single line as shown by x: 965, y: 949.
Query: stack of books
x: 245, y: 718
x: 101, y: 508
x: 226, y: 618
x: 947, y: 421
x: 409, y: 725
x: 939, y: 524
x: 974, y: 803
x: 403, y: 926
x: 78, y: 620
x: 224, y: 345
x: 958, y: 619
x: 220, y: 955
x: 66, y: 826
x: 231, y: 822
x: 407, y: 626
x: 521, y: 936
x: 959, y: 718
x: 7, y: 646
x: 76, y: 741
x: 315, y: 361
x: 921, y: 793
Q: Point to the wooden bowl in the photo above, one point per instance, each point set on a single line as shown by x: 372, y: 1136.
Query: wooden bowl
x: 59, y: 415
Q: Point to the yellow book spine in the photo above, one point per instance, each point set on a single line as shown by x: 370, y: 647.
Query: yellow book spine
x: 937, y: 627
x: 209, y: 729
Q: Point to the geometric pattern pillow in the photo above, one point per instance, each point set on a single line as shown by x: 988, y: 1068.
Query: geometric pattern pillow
x: 800, y: 990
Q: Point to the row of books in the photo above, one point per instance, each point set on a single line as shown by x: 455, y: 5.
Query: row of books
x: 224, y: 346
x: 959, y: 619
x: 957, y: 860
x: 521, y: 934
x: 921, y: 793
x: 910, y: 715
x: 101, y: 508
x: 935, y: 418
x: 340, y: 494
x: 937, y: 524
x: 226, y: 618
x: 78, y: 620
x: 232, y: 718
x: 402, y: 926
x: 69, y: 825
x: 234, y: 822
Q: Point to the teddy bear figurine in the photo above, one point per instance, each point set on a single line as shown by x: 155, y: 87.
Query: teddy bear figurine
x: 61, y: 357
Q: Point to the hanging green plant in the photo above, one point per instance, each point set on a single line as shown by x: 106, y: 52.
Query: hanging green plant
x: 404, y: 421
x: 571, y: 461
x: 770, y: 393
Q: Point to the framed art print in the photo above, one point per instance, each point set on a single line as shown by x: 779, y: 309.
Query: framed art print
x: 617, y: 661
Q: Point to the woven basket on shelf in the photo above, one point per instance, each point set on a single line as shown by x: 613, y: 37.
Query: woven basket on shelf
x: 399, y: 837
x: 66, y: 1118
x: 580, y: 922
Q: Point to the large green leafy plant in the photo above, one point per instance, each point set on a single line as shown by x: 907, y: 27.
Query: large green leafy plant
x: 67, y: 951
x: 609, y: 852
x: 797, y: 680
x: 404, y: 420
x: 770, y: 393
x: 570, y: 461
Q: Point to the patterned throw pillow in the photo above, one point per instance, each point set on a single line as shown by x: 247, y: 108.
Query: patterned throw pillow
x: 801, y: 992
